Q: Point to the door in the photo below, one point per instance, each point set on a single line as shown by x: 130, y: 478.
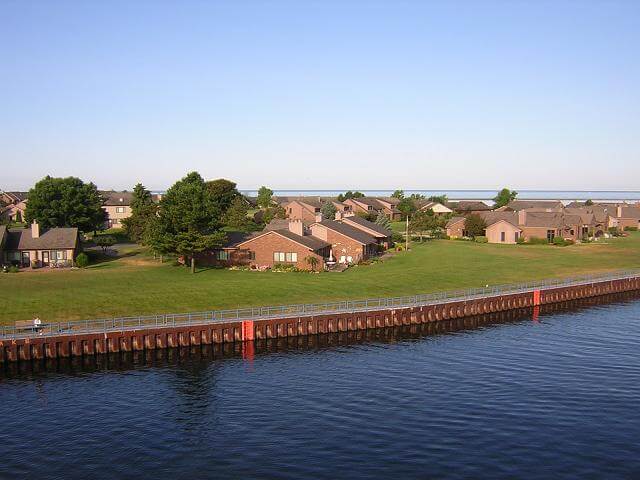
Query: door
x: 45, y: 258
x: 25, y: 259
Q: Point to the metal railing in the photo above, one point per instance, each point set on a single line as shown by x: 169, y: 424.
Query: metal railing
x: 298, y: 310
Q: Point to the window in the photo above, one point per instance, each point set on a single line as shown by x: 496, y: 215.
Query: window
x: 292, y: 257
x: 252, y: 255
x: 119, y: 209
x: 289, y: 257
x: 516, y: 236
x: 550, y: 235
x: 13, y: 256
x: 114, y: 221
x: 222, y: 255
x: 503, y: 236
x: 59, y: 254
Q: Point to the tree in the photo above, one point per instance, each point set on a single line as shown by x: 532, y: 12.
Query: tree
x: 104, y: 241
x: 312, y: 261
x: 416, y: 197
x: 224, y: 192
x: 407, y: 206
x: 276, y: 211
x: 188, y: 220
x: 423, y: 222
x: 347, y: 195
x: 588, y: 203
x: 236, y: 215
x: 503, y: 197
x: 328, y: 211
x: 65, y: 202
x: 265, y: 197
x: 441, y: 199
x: 188, y: 244
x: 383, y: 220
x: 142, y: 211
x: 475, y: 225
x: 399, y: 194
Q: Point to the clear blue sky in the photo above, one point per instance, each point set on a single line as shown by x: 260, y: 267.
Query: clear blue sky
x: 320, y: 94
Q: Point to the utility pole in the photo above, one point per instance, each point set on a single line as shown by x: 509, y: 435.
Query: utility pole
x: 406, y: 235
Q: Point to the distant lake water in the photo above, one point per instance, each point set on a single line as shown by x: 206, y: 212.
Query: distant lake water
x: 567, y: 195
x: 518, y: 397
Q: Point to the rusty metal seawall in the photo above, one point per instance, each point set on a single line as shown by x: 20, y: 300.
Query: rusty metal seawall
x: 115, y: 335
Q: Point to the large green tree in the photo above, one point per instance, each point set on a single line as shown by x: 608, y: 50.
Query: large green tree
x: 65, y: 202
x: 424, y: 222
x: 349, y: 194
x: 142, y: 211
x: 265, y: 197
x: 236, y: 216
x: 399, y: 194
x: 188, y: 220
x: 503, y: 197
x: 383, y: 220
x: 224, y: 192
x: 407, y: 206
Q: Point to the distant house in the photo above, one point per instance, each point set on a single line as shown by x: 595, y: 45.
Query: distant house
x: 381, y: 234
x: 306, y: 209
x: 29, y: 246
x: 466, y: 207
x: 13, y: 206
x: 348, y: 243
x: 628, y: 217
x: 372, y: 206
x: 118, y: 207
x: 543, y: 205
x: 437, y: 208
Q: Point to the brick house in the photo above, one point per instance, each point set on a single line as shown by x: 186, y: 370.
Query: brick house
x: 381, y: 234
x: 628, y: 216
x: 372, y: 206
x: 306, y: 210
x: 29, y: 246
x: 348, y: 244
x: 437, y: 208
x: 13, y: 206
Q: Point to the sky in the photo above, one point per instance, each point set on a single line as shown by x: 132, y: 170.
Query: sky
x: 322, y: 94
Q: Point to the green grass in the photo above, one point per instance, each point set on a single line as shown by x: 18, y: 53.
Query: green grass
x: 135, y: 284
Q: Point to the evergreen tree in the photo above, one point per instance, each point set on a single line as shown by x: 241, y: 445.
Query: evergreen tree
x: 399, y: 194
x: 224, y: 192
x: 236, y: 216
x: 328, y: 211
x: 383, y: 220
x: 142, y: 211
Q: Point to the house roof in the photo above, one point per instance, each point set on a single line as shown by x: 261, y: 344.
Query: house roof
x: 277, y: 224
x: 348, y: 231
x: 363, y: 222
x: 552, y: 219
x: 630, y: 212
x: 116, y: 198
x: 54, y: 238
x: 19, y: 196
x: 468, y: 206
x: 541, y: 204
x: 312, y: 243
x: 453, y: 220
x: 370, y: 201
x: 235, y: 238
x: 492, y: 217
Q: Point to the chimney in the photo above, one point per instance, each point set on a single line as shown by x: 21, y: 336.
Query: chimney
x: 295, y: 226
x: 318, y: 217
x: 35, y: 230
x: 339, y: 215
x: 522, y: 217
x: 618, y: 211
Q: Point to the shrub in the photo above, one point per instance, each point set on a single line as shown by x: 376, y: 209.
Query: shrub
x: 82, y: 260
x: 481, y: 239
x: 558, y: 241
x: 630, y: 229
x: 537, y: 241
x: 520, y: 240
x: 397, y: 237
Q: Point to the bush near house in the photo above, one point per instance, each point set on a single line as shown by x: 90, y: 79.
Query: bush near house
x: 481, y: 239
x: 630, y: 229
x: 82, y: 260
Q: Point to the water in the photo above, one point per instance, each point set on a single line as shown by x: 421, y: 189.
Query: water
x: 493, y: 397
x: 485, y: 195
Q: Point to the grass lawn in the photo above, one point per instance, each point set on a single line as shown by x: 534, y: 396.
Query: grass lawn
x: 135, y: 284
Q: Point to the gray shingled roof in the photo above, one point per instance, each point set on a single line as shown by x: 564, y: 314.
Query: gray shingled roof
x: 348, y: 231
x: 543, y: 204
x: 310, y: 242
x: 117, y: 198
x: 54, y: 238
x: 367, y: 224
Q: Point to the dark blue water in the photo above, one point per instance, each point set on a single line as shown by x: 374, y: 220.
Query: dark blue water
x: 494, y: 397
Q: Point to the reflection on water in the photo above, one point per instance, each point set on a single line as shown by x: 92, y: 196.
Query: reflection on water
x: 521, y: 394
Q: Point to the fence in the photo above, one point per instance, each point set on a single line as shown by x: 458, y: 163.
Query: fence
x: 298, y: 310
